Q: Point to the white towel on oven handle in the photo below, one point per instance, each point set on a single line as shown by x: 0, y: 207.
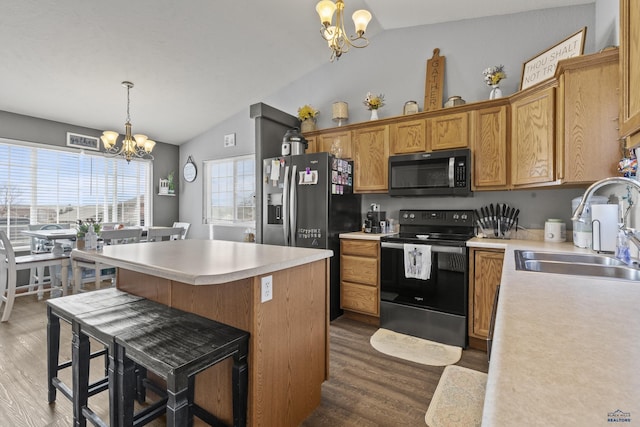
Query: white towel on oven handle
x: 417, y: 261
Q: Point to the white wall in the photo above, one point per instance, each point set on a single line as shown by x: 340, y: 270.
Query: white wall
x: 607, y: 23
x: 394, y: 64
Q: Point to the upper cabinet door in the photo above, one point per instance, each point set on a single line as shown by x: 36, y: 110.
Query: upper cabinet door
x: 449, y: 131
x: 371, y: 159
x: 588, y: 148
x: 532, y: 138
x: 489, y: 147
x: 333, y: 140
x: 630, y: 70
x: 409, y: 137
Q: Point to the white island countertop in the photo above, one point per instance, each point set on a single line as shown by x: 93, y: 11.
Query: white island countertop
x: 203, y: 262
x: 566, y: 349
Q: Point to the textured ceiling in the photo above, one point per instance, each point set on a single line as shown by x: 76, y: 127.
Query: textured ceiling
x: 193, y: 63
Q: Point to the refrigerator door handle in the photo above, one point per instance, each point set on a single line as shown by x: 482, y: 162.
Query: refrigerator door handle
x: 285, y: 206
x: 293, y: 208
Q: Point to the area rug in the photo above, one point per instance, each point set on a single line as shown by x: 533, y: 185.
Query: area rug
x: 458, y: 399
x: 414, y: 349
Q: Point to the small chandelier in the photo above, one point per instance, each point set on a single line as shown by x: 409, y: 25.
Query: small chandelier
x: 335, y: 35
x: 136, y: 146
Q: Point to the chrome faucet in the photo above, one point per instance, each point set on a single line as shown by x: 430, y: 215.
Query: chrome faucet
x: 577, y: 214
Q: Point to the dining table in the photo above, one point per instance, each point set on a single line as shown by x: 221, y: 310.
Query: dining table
x: 55, y: 235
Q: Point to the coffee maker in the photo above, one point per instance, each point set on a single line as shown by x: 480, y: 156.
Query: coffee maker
x: 374, y: 217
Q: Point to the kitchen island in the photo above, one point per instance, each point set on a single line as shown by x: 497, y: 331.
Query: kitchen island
x: 565, y: 349
x: 220, y: 280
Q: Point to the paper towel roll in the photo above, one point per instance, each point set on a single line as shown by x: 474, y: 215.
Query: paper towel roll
x: 605, y: 227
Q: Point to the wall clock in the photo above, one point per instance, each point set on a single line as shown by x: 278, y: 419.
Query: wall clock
x: 189, y: 171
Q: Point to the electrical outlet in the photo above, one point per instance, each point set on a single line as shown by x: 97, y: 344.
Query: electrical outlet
x: 230, y: 140
x: 267, y: 288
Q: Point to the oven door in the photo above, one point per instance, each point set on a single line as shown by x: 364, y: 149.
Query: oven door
x: 446, y: 289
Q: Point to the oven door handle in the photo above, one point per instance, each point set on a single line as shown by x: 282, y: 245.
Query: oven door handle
x: 452, y: 164
x: 434, y: 248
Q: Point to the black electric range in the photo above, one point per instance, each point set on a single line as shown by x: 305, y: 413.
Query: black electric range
x: 433, y: 304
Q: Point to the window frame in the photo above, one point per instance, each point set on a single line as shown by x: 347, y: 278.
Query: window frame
x: 207, y: 192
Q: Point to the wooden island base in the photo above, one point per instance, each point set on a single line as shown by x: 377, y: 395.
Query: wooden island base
x: 288, y: 346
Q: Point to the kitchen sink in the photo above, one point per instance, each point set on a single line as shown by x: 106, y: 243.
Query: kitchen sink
x: 575, y: 264
x: 564, y: 257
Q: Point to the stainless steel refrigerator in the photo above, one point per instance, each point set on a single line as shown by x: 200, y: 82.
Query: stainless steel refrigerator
x: 307, y: 202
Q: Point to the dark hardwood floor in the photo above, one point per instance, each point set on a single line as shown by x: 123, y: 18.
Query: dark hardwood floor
x: 366, y: 388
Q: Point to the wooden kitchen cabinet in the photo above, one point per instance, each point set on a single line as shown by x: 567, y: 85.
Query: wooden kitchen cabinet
x: 312, y: 141
x: 360, y: 279
x: 489, y: 148
x: 485, y: 273
x: 371, y: 159
x: 630, y: 72
x: 533, y: 138
x: 408, y: 137
x: 324, y: 142
x: 448, y: 131
x: 588, y: 147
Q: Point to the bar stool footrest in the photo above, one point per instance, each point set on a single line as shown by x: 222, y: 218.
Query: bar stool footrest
x: 93, y: 418
x: 207, y: 416
x: 150, y: 413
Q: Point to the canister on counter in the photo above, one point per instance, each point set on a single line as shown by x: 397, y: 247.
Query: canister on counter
x: 555, y: 230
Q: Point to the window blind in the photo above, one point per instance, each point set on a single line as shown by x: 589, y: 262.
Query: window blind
x: 42, y: 185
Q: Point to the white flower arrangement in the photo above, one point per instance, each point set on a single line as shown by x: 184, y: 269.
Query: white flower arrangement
x: 493, y: 75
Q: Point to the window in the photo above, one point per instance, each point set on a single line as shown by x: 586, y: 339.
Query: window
x: 48, y: 185
x: 230, y: 191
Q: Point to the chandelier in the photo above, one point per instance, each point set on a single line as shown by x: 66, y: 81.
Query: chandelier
x: 335, y: 35
x: 136, y: 146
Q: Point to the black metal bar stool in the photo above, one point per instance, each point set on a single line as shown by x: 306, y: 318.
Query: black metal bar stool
x: 176, y: 351
x: 67, y: 308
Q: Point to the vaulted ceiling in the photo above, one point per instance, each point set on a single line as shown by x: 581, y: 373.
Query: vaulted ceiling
x: 193, y: 63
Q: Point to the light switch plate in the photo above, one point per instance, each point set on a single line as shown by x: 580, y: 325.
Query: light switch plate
x: 230, y: 140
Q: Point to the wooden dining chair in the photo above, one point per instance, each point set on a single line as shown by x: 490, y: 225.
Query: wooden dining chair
x: 157, y: 234
x: 37, y: 276
x: 110, y: 237
x: 10, y: 264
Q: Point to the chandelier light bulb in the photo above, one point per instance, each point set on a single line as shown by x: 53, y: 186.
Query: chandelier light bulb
x: 361, y: 19
x: 326, y: 9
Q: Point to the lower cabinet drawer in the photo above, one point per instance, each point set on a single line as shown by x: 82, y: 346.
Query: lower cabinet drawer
x: 359, y: 269
x: 360, y: 298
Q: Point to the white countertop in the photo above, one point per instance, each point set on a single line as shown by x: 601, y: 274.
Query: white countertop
x: 203, y: 262
x: 364, y: 236
x: 566, y: 349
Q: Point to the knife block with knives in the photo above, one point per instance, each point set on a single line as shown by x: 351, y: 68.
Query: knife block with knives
x: 497, y: 220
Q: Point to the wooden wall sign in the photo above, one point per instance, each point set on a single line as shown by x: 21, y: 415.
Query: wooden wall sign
x: 434, y: 82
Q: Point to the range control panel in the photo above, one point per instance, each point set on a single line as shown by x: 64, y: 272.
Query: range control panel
x: 436, y: 217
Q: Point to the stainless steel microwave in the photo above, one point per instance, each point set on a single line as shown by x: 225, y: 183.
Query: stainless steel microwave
x: 439, y: 173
